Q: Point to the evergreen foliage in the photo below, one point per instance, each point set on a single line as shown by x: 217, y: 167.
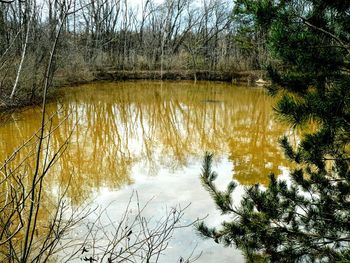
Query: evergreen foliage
x: 308, y: 218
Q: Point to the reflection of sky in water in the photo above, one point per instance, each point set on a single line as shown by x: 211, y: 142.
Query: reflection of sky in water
x: 151, y: 137
x: 177, y: 188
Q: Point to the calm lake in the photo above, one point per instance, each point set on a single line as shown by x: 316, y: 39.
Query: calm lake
x: 150, y: 137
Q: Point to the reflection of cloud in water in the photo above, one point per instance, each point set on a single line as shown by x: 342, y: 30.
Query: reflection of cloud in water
x: 162, y: 188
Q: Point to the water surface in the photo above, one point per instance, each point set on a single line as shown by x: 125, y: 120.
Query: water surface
x: 151, y: 137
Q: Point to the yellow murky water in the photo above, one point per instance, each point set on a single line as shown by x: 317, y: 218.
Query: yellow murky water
x: 151, y: 136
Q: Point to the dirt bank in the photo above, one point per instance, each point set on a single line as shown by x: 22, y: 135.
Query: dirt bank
x: 246, y: 77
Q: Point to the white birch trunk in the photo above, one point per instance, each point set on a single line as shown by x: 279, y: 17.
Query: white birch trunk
x: 22, y: 60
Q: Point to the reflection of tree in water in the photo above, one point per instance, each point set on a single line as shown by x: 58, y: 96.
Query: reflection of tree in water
x: 153, y: 125
x: 254, y: 148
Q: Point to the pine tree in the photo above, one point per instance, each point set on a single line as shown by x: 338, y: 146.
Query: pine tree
x: 308, y: 219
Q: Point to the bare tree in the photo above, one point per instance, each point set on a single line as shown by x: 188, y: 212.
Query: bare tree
x: 130, y: 238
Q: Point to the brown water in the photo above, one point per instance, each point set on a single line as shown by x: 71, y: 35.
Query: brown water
x: 151, y: 137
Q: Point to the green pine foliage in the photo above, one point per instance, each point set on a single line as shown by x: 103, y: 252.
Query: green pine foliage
x: 308, y: 218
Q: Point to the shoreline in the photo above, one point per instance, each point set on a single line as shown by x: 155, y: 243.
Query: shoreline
x: 61, y: 81
x: 205, y: 75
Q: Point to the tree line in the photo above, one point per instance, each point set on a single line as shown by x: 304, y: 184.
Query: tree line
x: 99, y: 35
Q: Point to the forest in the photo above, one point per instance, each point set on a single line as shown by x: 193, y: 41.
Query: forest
x: 175, y: 130
x: 97, y: 37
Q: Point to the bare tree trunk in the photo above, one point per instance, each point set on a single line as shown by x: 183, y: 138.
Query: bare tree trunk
x: 23, y: 55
